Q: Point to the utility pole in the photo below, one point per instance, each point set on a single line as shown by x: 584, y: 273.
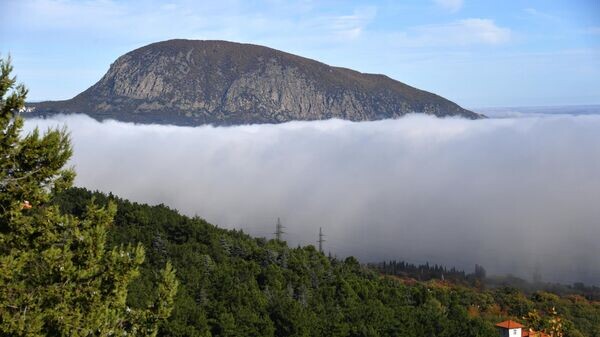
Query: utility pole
x: 278, y: 230
x: 321, y: 240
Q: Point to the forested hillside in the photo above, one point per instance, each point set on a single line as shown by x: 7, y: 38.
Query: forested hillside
x: 236, y: 285
x: 479, y: 278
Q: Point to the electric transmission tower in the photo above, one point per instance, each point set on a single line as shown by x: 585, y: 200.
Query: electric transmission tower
x: 321, y: 240
x: 278, y: 230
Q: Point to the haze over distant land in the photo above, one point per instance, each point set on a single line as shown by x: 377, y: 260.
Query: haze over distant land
x: 507, y: 193
x: 191, y: 82
x: 529, y: 111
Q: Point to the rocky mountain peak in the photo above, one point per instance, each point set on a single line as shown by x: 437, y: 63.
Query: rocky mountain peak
x: 192, y: 82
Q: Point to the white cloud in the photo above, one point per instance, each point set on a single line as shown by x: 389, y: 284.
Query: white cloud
x: 450, y: 5
x: 481, y: 30
x: 351, y: 26
x: 464, y: 32
x: 541, y: 15
x: 502, y: 193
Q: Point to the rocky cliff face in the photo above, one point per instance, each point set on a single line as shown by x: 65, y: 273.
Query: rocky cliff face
x: 189, y: 82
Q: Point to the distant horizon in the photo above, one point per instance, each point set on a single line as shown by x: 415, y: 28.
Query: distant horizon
x: 484, y: 108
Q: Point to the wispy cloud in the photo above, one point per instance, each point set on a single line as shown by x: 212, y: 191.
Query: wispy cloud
x: 480, y: 30
x: 450, y: 5
x: 351, y: 26
x: 541, y: 15
x: 473, y: 31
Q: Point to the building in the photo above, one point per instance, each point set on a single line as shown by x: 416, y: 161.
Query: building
x: 510, y: 329
x: 514, y: 329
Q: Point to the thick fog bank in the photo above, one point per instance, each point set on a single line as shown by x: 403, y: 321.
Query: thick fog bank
x: 509, y: 194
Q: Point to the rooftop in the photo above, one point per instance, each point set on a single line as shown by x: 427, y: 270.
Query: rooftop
x: 509, y: 325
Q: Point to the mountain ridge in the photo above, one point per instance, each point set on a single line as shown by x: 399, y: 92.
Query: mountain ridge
x: 195, y: 82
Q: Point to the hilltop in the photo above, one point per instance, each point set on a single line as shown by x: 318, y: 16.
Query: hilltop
x: 193, y: 82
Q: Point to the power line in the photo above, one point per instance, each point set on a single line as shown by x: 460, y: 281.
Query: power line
x: 278, y: 230
x: 321, y: 240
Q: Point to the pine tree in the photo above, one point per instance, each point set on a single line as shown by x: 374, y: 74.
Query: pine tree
x: 57, y: 275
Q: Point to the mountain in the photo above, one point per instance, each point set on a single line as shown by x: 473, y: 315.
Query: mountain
x: 191, y: 82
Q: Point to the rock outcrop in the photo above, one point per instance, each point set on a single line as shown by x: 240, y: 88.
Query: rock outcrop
x: 187, y: 82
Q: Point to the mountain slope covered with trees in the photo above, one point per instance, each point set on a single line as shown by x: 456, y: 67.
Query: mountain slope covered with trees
x: 236, y: 285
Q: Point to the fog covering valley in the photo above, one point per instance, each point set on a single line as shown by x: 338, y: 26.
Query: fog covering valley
x: 510, y: 193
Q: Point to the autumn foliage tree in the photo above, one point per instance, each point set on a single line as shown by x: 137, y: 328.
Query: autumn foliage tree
x: 57, y: 275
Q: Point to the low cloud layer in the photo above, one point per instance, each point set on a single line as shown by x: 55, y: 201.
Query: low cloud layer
x: 509, y: 194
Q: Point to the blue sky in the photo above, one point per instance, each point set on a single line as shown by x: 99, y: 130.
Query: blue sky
x: 477, y: 53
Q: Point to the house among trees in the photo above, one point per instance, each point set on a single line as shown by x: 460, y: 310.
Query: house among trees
x: 514, y: 329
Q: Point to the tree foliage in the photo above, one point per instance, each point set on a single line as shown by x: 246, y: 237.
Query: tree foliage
x: 57, y: 275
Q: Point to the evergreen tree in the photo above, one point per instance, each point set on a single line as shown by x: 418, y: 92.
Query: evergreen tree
x: 57, y: 276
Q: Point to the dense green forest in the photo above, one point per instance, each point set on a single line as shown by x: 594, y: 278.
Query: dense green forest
x: 479, y: 278
x: 426, y: 272
x: 236, y: 285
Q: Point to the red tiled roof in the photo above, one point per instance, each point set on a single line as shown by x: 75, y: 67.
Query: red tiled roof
x: 509, y: 325
x: 525, y: 333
